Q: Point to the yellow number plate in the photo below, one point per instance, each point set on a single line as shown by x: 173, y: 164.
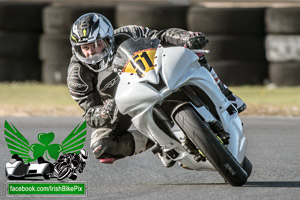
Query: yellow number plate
x: 141, y: 62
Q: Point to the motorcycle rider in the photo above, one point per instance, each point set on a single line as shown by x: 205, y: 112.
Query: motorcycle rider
x: 76, y: 162
x: 92, y: 82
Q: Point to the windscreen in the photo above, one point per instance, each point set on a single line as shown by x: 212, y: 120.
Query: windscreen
x: 136, y: 56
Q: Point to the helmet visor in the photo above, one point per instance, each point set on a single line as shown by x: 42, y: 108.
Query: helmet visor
x: 92, y: 53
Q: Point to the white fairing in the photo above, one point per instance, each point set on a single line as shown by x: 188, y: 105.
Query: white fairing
x: 177, y: 66
x: 33, y: 169
x: 38, y: 168
x: 11, y: 167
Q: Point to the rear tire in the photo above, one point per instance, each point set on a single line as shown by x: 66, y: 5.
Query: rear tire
x: 46, y: 176
x: 206, y: 141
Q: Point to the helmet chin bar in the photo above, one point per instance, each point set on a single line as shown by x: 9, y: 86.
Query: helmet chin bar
x: 91, y: 60
x: 97, y: 67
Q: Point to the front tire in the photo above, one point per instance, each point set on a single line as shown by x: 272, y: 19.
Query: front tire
x: 247, y: 165
x: 64, y: 172
x: 206, y: 141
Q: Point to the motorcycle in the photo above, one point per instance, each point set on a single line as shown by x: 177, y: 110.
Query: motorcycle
x: 68, y: 164
x: 176, y: 103
x: 16, y: 169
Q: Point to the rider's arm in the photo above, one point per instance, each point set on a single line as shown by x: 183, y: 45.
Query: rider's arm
x: 173, y: 36
x: 180, y: 37
x: 82, y: 88
x: 133, y: 31
x: 80, y: 84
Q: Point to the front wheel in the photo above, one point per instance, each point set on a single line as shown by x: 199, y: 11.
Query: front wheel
x: 63, y: 170
x: 206, y: 141
x: 247, y: 165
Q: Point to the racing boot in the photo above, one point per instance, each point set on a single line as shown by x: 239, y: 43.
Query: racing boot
x: 236, y: 101
x: 166, y: 161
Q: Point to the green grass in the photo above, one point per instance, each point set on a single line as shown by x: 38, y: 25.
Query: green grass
x: 269, y: 95
x: 40, y: 99
x: 268, y: 100
x: 34, y: 94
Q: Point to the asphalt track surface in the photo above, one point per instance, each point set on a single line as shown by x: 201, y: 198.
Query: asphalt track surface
x: 272, y: 148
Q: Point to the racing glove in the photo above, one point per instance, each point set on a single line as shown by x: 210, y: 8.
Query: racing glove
x: 196, y: 40
x: 99, y: 116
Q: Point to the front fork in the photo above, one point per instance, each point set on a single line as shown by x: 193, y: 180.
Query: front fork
x: 204, y: 113
x: 185, y: 142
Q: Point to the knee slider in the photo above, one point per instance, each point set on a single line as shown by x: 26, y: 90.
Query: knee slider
x: 113, y: 145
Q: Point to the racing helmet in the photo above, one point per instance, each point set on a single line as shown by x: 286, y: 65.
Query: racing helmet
x: 83, y: 154
x: 91, y: 28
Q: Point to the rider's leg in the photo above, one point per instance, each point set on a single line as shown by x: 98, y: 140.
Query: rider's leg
x: 111, y: 143
x: 109, y: 146
x: 114, y: 141
x: 237, y: 102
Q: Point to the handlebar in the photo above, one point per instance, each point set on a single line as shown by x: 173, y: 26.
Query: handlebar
x: 200, y: 50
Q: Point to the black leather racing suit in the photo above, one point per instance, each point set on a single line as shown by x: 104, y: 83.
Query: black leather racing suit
x: 92, y: 90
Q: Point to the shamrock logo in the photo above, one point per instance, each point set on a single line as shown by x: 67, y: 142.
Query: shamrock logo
x: 40, y: 149
x: 18, y: 144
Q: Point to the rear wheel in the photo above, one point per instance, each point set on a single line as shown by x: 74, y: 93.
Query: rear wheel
x: 46, y: 176
x: 206, y: 141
